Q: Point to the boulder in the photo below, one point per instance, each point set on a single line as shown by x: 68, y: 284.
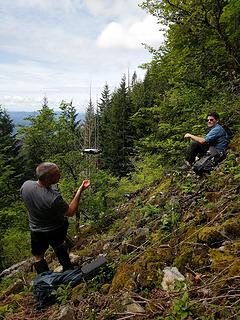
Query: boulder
x: 170, y: 277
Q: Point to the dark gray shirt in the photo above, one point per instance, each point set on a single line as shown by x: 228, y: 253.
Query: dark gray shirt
x: 46, y: 207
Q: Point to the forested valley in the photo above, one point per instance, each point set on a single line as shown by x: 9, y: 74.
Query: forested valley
x: 142, y: 209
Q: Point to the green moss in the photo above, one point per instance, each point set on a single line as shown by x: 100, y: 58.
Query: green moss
x: 147, y: 268
x: 234, y: 270
x: 211, y: 235
x: 193, y: 257
x: 235, y: 144
x: 79, y: 292
x: 163, y: 186
x: 124, y: 278
x: 235, y: 248
x: 220, y: 260
x: 189, y: 234
x: 105, y: 288
x: 231, y: 227
x: 183, y: 259
x: 213, y: 196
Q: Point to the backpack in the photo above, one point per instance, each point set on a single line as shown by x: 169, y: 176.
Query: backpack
x: 45, y: 283
x: 229, y: 132
x: 206, y: 163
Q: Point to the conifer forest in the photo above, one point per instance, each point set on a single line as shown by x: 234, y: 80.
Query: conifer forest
x: 143, y: 210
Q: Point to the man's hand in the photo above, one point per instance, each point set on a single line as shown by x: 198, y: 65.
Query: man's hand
x: 195, y: 138
x: 73, y: 206
x: 85, y: 184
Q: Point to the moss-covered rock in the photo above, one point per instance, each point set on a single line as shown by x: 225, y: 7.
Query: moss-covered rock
x: 220, y: 260
x: 148, y: 267
x: 124, y: 278
x: 212, y: 236
x: 79, y: 292
x: 234, y: 270
x: 231, y: 228
x: 191, y: 257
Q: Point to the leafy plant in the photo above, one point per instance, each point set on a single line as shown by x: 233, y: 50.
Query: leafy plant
x: 62, y: 293
x: 150, y: 211
x: 104, y: 275
x: 181, y: 308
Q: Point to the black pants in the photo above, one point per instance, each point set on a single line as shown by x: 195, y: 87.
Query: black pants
x: 198, y: 149
x: 40, y: 241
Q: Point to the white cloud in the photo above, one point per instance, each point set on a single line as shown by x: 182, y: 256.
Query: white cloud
x: 121, y: 9
x: 52, y: 44
x: 18, y: 98
x: 117, y: 35
x: 63, y: 5
x: 59, y: 47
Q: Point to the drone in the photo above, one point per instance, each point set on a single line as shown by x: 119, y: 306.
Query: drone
x: 91, y: 151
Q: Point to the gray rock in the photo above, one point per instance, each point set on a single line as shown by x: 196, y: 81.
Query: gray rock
x: 135, y: 308
x: 171, y: 275
x: 65, y: 313
x: 74, y: 258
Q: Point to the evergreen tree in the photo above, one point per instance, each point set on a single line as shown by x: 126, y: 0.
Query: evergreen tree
x: 68, y: 135
x: 12, y: 175
x: 89, y: 127
x: 118, y: 149
x: 103, y: 121
x: 68, y: 142
x: 7, y: 153
x: 38, y: 138
x: 45, y: 101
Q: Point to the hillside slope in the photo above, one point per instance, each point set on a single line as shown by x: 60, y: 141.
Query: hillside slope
x: 179, y: 221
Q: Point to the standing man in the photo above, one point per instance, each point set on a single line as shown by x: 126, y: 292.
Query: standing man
x: 47, y: 213
x: 215, y: 141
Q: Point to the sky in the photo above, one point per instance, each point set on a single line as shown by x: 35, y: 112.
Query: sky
x: 61, y: 48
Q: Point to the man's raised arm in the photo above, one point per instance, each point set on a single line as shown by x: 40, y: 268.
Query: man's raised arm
x: 73, y: 206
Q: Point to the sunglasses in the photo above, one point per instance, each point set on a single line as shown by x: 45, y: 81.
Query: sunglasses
x: 210, y: 120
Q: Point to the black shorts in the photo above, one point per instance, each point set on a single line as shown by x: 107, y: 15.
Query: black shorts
x: 40, y: 241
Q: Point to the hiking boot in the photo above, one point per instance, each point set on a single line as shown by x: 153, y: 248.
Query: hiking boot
x: 41, y: 266
x: 63, y: 257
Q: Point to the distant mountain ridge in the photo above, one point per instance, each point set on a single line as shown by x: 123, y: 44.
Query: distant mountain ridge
x: 19, y: 117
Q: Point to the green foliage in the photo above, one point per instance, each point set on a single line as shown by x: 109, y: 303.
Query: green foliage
x: 8, y: 308
x: 10, y: 162
x: 15, y: 246
x: 105, y: 275
x: 115, y: 123
x: 13, y: 216
x: 89, y: 128
x: 38, y: 137
x: 147, y: 169
x: 98, y: 200
x: 67, y: 135
x: 187, y: 186
x: 150, y: 211
x: 181, y: 309
x: 169, y: 221
x: 62, y: 293
x: 6, y: 283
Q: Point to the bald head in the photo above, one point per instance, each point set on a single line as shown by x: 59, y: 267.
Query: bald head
x: 47, y: 171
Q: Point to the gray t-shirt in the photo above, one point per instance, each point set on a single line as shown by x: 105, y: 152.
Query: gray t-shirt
x: 46, y: 207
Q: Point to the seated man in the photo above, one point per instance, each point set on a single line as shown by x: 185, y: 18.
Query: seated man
x: 215, y: 141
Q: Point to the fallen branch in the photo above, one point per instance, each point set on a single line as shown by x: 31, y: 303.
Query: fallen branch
x: 130, y: 314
